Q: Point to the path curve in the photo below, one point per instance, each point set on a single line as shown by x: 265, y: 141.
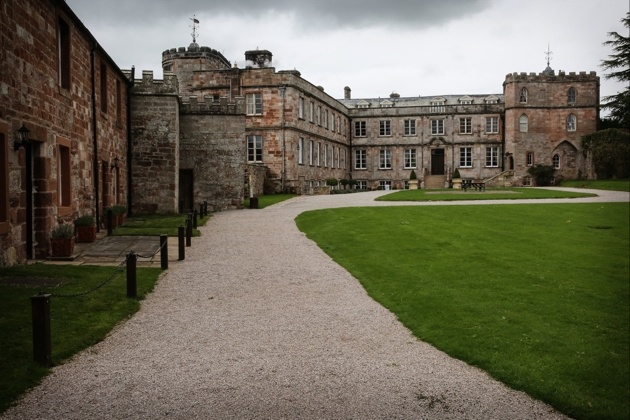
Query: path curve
x: 258, y: 322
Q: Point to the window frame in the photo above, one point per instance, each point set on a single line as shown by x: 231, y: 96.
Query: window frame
x: 385, y: 128
x: 311, y: 148
x: 465, y: 125
x: 409, y: 127
x: 529, y: 159
x: 360, y: 159
x: 253, y: 104
x: 465, y: 157
x: 64, y: 175
x: 411, y: 158
x: 437, y: 127
x: 556, y: 161
x: 360, y: 129
x: 385, y: 159
x: 523, y: 123
x: 571, y: 123
x: 301, y: 107
x: 492, y: 125
x: 492, y: 157
x: 522, y: 96
x: 300, y: 151
x: 254, y: 148
x: 571, y: 95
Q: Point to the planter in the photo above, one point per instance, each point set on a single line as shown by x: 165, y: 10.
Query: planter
x: 413, y: 184
x: 86, y: 233
x: 62, y: 247
x: 457, y: 183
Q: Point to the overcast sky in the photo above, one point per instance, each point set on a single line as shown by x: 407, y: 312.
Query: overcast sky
x: 376, y: 47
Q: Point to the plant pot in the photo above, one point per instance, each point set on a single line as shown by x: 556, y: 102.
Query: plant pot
x: 62, y: 247
x: 86, y: 233
x: 457, y: 183
x: 413, y: 184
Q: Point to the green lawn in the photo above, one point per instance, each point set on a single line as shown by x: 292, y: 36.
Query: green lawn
x: 603, y: 184
x: 155, y: 225
x: 537, y: 295
x: 489, y: 194
x: 269, y: 200
x: 77, y: 322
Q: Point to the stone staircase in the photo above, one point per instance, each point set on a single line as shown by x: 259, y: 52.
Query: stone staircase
x: 434, y: 181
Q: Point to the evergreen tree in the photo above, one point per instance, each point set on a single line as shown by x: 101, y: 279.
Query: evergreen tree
x: 619, y: 63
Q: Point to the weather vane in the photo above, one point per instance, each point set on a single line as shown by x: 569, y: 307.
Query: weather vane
x: 194, y: 28
x: 548, y: 53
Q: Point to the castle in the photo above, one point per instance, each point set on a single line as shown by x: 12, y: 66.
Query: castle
x: 210, y: 131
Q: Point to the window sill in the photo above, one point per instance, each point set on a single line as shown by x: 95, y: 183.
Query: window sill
x: 64, y: 210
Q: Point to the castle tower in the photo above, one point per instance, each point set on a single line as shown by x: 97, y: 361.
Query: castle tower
x: 183, y: 62
x: 545, y: 117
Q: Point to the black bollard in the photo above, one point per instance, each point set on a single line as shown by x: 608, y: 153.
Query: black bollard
x: 180, y: 244
x: 164, y: 251
x: 189, y: 231
x: 201, y: 215
x: 253, y: 202
x: 195, y: 219
x: 132, y: 259
x: 110, y: 222
x: 205, y: 208
x: 42, y: 348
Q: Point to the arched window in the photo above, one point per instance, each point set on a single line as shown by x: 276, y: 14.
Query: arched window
x: 556, y: 161
x: 523, y: 123
x: 571, y: 122
x: 523, y: 96
x: 571, y: 94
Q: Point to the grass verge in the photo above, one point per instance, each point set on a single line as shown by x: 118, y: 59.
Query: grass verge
x: 156, y: 225
x: 536, y: 295
x: 603, y: 184
x: 77, y: 322
x: 489, y: 194
x: 269, y: 200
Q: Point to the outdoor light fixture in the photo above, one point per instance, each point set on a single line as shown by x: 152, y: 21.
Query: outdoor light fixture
x: 114, y: 163
x: 22, y: 140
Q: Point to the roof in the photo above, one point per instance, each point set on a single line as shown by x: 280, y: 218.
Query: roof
x: 421, y: 100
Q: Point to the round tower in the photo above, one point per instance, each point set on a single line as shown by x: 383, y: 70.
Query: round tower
x: 183, y: 62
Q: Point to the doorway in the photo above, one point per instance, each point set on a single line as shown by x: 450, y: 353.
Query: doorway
x: 186, y: 180
x: 437, y: 162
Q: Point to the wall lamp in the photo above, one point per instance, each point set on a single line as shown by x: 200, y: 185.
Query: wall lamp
x: 22, y: 140
x: 114, y: 163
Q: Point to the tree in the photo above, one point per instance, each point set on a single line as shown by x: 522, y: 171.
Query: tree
x: 619, y: 63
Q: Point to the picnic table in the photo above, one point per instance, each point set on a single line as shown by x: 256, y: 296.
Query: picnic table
x: 477, y: 184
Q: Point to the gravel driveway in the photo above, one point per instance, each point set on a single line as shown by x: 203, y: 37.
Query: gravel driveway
x: 259, y: 323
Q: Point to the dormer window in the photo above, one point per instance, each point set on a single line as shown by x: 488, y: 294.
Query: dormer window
x: 437, y: 104
x: 363, y: 104
x: 465, y: 100
x: 492, y: 99
x: 386, y: 104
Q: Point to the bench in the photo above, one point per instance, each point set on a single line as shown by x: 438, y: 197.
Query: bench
x: 476, y: 184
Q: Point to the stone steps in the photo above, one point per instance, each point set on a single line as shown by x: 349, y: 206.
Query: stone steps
x: 434, y: 181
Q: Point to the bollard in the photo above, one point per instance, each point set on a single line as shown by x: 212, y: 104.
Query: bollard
x: 42, y: 348
x: 201, y: 215
x: 205, y: 208
x: 253, y: 202
x: 110, y: 222
x: 188, y: 232
x: 164, y: 251
x: 180, y: 244
x: 132, y: 258
x: 195, y: 219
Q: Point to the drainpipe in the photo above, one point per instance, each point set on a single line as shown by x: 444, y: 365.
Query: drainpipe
x: 95, y: 166
x: 282, y: 122
x: 130, y: 85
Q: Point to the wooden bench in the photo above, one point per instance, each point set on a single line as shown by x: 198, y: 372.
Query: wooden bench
x: 473, y: 183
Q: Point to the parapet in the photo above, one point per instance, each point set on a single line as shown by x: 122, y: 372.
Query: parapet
x: 548, y: 76
x: 149, y: 85
x: 212, y: 105
x: 194, y: 52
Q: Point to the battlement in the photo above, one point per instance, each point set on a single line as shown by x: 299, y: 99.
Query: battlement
x: 212, y: 105
x: 549, y: 76
x: 194, y: 51
x: 149, y: 85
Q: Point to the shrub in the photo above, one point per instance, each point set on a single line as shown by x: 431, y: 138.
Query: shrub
x: 332, y: 182
x: 456, y: 174
x: 119, y: 210
x: 344, y: 182
x: 86, y: 220
x: 413, y: 175
x: 610, y: 151
x: 543, y: 174
x: 63, y: 230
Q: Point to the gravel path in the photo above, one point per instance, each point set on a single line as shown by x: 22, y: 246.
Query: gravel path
x: 259, y: 323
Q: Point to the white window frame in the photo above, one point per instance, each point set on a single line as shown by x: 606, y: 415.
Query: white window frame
x: 360, y: 129
x: 492, y: 157
x: 529, y: 159
x: 385, y: 185
x: 492, y: 125
x: 465, y: 157
x: 411, y: 159
x: 385, y: 159
x: 310, y: 154
x: 571, y: 95
x: 301, y: 108
x: 437, y: 127
x: 254, y: 148
x: 385, y: 128
x: 253, y: 104
x: 361, y: 185
x: 360, y: 159
x: 556, y: 161
x: 318, y: 153
x: 410, y: 127
x: 465, y: 125
x: 523, y: 123
x: 571, y: 122
x: 300, y: 151
x: 311, y: 112
x: 522, y: 97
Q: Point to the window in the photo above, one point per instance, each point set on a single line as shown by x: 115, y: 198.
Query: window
x: 103, y: 88
x: 64, y: 171
x: 318, y: 154
x: 311, y: 112
x: 385, y: 185
x: 318, y: 116
x: 492, y: 125
x: 63, y: 53
x: 492, y: 157
x: 527, y: 181
x: 325, y: 155
x: 530, y: 159
x: 301, y: 108
x: 571, y: 122
x: 571, y: 94
x: 437, y: 106
x: 437, y: 127
x: 410, y: 127
x: 556, y: 161
x: 339, y: 125
x: 361, y: 185
x: 310, y: 153
x: 326, y: 119
x: 523, y: 96
x: 4, y: 178
x: 410, y: 158
x: 523, y: 123
x: 332, y: 156
x: 385, y: 159
x: 300, y: 150
x: 254, y: 104
x: 359, y: 129
x: 385, y: 128
x: 360, y: 159
x: 465, y: 125
x: 254, y: 148
x: 465, y: 157
x: 332, y: 123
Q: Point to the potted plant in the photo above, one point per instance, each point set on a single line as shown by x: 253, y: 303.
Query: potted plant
x: 62, y: 240
x: 413, y: 180
x: 86, y: 228
x: 457, y: 180
x: 119, y: 211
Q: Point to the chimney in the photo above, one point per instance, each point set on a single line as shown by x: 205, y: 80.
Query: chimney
x: 346, y: 93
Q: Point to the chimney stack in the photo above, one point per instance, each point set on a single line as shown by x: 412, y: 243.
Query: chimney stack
x: 346, y: 93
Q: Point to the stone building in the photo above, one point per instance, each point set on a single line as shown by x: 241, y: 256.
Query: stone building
x: 61, y: 88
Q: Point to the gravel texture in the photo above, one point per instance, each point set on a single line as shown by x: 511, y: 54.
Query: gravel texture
x: 258, y: 322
